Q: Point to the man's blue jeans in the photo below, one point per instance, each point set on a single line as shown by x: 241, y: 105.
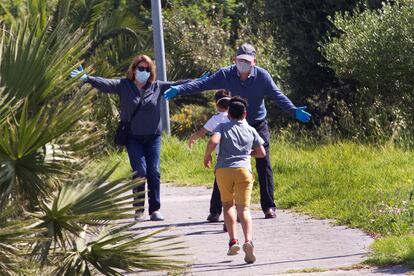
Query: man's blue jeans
x: 144, y: 156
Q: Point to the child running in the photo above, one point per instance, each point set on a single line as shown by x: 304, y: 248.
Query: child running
x: 233, y: 172
x: 222, y: 104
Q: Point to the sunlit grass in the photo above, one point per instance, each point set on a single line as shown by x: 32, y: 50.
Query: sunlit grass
x: 363, y: 186
x: 393, y: 250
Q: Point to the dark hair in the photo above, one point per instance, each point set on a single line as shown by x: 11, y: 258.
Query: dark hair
x: 222, y: 93
x: 237, y: 106
x: 223, y: 103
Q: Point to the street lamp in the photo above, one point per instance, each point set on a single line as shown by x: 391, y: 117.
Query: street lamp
x: 160, y: 59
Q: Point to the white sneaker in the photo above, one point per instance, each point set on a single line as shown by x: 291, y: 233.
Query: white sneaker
x: 156, y: 216
x: 248, y: 249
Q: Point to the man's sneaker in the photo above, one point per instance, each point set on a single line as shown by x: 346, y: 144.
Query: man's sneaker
x: 248, y: 249
x: 234, y: 248
x: 213, y: 217
x: 156, y: 216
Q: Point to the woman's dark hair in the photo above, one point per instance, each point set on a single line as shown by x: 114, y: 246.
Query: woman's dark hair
x: 137, y: 60
x: 237, y: 107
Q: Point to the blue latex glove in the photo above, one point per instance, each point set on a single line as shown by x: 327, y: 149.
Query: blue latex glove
x: 78, y: 71
x: 171, y: 93
x: 204, y: 76
x: 302, y: 115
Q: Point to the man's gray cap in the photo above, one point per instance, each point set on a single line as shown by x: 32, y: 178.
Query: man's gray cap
x: 246, y: 52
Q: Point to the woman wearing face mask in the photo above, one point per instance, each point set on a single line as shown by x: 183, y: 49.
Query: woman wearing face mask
x: 253, y: 83
x: 144, y: 139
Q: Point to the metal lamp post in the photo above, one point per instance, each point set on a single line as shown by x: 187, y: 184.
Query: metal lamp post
x: 160, y: 58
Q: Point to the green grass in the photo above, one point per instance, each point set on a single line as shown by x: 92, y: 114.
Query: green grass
x: 112, y: 159
x: 183, y: 166
x: 393, y: 250
x: 362, y: 186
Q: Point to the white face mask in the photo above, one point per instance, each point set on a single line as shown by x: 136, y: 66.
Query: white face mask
x: 142, y: 76
x: 243, y: 66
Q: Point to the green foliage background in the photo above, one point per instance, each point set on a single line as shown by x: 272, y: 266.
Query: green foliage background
x: 312, y: 49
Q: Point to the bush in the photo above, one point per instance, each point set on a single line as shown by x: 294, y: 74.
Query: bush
x: 190, y: 118
x: 298, y: 26
x: 376, y: 51
x: 194, y: 41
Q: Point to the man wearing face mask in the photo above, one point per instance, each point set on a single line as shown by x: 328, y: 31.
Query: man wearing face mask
x: 252, y: 83
x: 140, y: 104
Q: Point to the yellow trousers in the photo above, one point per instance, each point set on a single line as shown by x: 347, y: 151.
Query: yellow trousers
x: 235, y: 184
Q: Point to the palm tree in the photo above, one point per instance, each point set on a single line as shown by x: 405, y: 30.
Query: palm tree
x: 67, y: 220
x: 34, y: 71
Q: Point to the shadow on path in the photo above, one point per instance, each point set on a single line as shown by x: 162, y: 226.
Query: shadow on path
x: 237, y: 266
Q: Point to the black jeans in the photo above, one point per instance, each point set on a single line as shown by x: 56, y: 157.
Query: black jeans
x: 264, y: 169
x: 264, y: 172
x: 215, y: 201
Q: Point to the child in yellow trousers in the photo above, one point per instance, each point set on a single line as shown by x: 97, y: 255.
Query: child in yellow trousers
x: 237, y: 143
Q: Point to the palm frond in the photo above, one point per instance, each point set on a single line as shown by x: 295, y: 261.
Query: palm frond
x: 14, y: 234
x: 61, y: 12
x: 115, y: 32
x: 24, y: 144
x: 6, y: 181
x: 7, y: 106
x: 115, y: 25
x: 11, y: 11
x: 37, y: 9
x: 117, y: 250
x: 83, y: 202
x: 36, y: 65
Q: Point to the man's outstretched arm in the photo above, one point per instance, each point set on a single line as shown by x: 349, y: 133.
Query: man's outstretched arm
x: 215, y: 81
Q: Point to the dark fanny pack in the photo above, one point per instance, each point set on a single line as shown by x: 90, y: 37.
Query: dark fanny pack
x: 124, y: 128
x: 121, y: 133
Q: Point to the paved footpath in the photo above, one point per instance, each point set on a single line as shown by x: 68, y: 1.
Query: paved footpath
x: 291, y: 242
